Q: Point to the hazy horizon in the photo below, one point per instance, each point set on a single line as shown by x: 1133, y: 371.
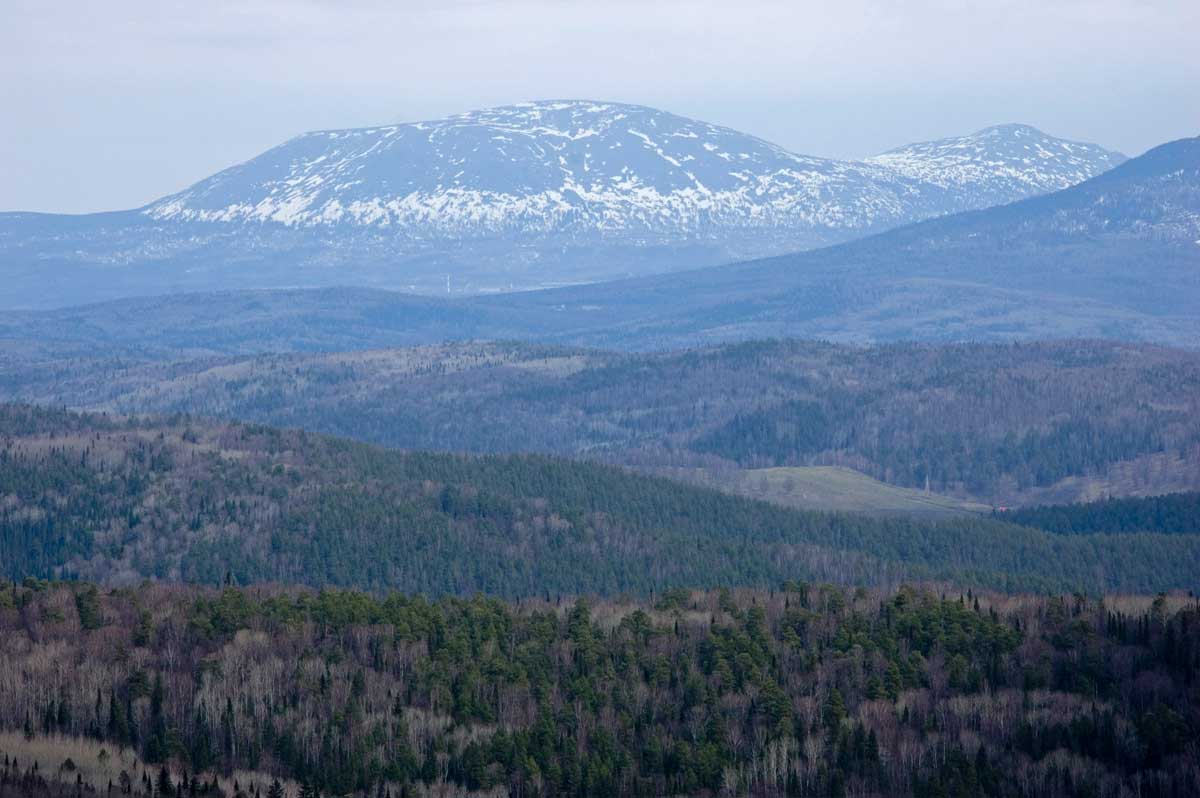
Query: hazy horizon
x: 111, y: 108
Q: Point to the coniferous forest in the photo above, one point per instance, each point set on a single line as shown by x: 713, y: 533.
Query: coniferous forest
x: 1172, y: 513
x: 119, y: 500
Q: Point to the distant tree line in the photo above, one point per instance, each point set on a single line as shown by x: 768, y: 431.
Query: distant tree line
x: 1003, y: 423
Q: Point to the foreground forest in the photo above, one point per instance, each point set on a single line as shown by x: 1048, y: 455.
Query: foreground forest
x: 1004, y: 424
x: 806, y: 690
x: 117, y: 500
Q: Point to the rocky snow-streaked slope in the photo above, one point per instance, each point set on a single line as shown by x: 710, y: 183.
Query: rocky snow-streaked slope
x: 999, y: 164
x: 586, y: 169
x: 578, y: 169
x: 518, y: 197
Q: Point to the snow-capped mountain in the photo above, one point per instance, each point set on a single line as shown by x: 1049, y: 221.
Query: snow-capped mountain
x: 1117, y: 256
x: 999, y: 164
x: 521, y: 196
x: 581, y: 168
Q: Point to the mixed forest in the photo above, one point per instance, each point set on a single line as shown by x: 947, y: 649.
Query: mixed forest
x: 1007, y: 424
x: 117, y: 499
x: 809, y: 689
x: 200, y: 606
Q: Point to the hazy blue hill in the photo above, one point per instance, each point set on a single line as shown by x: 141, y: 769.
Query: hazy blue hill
x: 1112, y: 257
x: 244, y: 322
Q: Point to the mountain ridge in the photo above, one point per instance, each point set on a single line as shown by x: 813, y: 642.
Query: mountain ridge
x: 511, y: 198
x: 1117, y: 418
x: 1114, y: 256
x: 559, y: 124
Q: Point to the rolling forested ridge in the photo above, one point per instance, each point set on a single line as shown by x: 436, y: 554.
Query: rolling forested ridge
x: 805, y: 690
x: 1003, y: 424
x: 181, y: 613
x: 117, y: 500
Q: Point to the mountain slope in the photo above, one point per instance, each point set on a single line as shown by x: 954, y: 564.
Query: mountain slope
x: 193, y: 500
x: 1116, y: 256
x: 1113, y: 257
x: 580, y: 169
x: 527, y: 196
x: 999, y: 164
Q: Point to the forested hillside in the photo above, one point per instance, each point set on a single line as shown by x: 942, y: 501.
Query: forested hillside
x: 1173, y: 514
x: 119, y: 500
x: 1007, y: 424
x: 812, y: 690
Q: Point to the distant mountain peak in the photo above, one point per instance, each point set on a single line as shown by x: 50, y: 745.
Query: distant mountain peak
x: 1014, y: 129
x: 557, y: 109
x: 532, y: 195
x: 1000, y: 164
x: 564, y: 167
x: 556, y: 117
x: 586, y: 168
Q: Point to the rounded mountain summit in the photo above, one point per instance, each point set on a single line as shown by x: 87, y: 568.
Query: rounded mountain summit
x: 525, y: 196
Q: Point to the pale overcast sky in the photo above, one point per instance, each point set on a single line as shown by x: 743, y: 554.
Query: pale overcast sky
x: 108, y: 105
